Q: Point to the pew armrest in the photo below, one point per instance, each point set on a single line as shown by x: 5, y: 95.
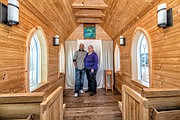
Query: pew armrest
x: 53, y: 103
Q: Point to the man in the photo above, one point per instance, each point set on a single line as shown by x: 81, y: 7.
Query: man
x: 78, y: 60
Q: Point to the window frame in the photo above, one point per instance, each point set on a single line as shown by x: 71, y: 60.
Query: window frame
x: 43, y: 72
x: 38, y: 59
x: 139, y: 46
x: 135, y: 58
x: 116, y: 58
x: 61, y: 59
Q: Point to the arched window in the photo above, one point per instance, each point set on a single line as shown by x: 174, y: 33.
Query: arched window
x: 37, y: 59
x: 143, y: 60
x: 61, y: 59
x: 117, y: 58
x: 141, y: 57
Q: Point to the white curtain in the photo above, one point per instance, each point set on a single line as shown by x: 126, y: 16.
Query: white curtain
x: 70, y: 48
x: 107, y: 56
x: 107, y: 53
x: 104, y: 50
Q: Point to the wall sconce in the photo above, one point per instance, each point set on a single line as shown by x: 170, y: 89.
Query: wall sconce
x: 122, y: 41
x: 13, y: 12
x: 10, y: 14
x: 56, y: 40
x: 3, y: 13
x: 165, y: 17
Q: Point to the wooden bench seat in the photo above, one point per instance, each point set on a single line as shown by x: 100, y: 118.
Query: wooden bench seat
x: 162, y: 98
x: 152, y: 104
x: 30, y: 117
x: 21, y: 105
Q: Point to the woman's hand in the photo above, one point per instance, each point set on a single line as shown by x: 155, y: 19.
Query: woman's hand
x: 92, y: 70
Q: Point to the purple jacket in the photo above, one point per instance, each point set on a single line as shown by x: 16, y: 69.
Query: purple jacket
x: 91, y: 61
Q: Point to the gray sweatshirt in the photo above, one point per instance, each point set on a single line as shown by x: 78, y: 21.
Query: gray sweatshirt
x: 79, y: 58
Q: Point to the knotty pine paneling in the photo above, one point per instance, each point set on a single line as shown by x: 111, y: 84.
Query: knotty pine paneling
x: 55, y: 17
x: 121, y: 12
x: 79, y: 33
x: 165, y: 47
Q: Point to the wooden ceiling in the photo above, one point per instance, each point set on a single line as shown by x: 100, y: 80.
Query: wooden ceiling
x: 89, y: 20
x: 89, y: 11
x: 55, y: 13
x: 113, y: 16
x: 121, y: 13
x: 89, y: 4
x: 116, y: 15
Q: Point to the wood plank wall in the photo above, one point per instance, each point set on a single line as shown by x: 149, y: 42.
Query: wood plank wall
x: 33, y: 13
x: 165, y: 48
x: 79, y: 33
x: 121, y: 12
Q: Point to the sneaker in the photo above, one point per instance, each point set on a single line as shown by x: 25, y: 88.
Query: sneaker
x: 76, y: 95
x: 81, y: 91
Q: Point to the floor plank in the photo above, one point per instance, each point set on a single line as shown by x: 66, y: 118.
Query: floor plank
x: 102, y: 106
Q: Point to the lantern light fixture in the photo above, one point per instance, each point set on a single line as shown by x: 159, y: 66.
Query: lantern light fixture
x: 165, y: 17
x: 122, y: 41
x: 13, y: 12
x: 9, y: 14
x: 3, y: 13
x: 56, y: 40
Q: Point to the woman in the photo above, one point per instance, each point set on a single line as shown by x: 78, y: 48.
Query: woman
x: 91, y: 66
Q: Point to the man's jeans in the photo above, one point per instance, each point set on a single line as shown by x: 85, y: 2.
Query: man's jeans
x: 79, y: 80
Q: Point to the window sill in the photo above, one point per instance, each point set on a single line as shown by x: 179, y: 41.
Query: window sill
x: 139, y: 84
x: 35, y: 87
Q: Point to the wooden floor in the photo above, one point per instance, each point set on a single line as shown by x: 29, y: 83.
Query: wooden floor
x: 102, y: 106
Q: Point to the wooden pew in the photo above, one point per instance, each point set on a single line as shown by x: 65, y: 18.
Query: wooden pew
x: 52, y: 107
x: 30, y: 117
x: 134, y: 84
x: 165, y: 103
x: 153, y: 104
x: 49, y: 87
x: 22, y: 105
x: 134, y: 106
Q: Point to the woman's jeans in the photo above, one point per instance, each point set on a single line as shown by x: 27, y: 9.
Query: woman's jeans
x: 92, y: 84
x: 79, y: 80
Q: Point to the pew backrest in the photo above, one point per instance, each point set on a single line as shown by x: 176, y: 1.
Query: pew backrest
x: 135, y: 107
x: 162, y: 98
x: 52, y: 107
x: 22, y: 105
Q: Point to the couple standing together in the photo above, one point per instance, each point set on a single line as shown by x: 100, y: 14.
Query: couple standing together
x: 85, y: 62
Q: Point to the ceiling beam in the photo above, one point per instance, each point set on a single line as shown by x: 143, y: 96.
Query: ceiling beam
x: 89, y: 13
x: 90, y: 4
x: 89, y: 20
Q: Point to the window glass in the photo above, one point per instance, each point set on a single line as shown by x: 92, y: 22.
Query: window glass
x: 117, y: 58
x: 34, y: 61
x: 143, y: 60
